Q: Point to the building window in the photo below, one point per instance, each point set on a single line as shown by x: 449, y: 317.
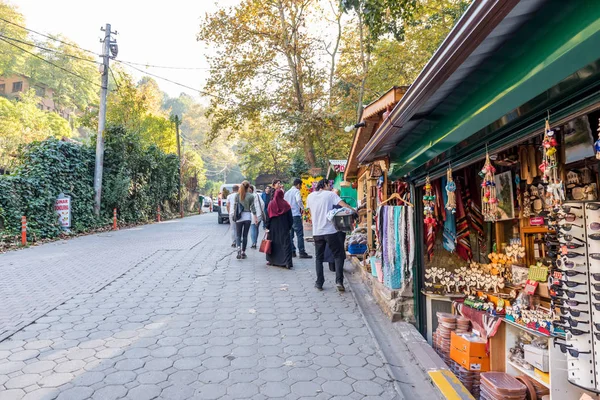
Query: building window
x: 2, y: 88
x: 17, y: 87
x: 40, y: 91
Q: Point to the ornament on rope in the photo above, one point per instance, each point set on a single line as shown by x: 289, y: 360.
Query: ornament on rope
x: 489, y: 199
x: 429, y: 204
x: 597, y: 144
x: 450, y: 189
x: 549, y: 167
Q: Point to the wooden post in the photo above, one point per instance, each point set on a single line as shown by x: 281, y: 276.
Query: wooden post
x: 23, y: 230
x: 114, y: 219
x: 158, y: 213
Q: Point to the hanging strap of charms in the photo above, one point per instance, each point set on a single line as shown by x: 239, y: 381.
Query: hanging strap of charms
x: 450, y: 190
x: 549, y: 167
x: 430, y: 222
x: 597, y: 144
x: 489, y: 200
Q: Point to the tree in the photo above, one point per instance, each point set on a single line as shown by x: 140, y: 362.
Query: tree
x: 11, y: 59
x: 22, y: 122
x: 268, y: 65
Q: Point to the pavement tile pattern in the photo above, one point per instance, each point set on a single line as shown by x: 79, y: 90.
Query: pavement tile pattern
x: 186, y: 320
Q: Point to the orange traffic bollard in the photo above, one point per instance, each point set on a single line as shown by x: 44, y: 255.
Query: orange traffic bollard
x: 114, y: 219
x: 158, y: 213
x: 23, y: 230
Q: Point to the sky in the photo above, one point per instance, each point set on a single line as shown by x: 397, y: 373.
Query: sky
x: 153, y: 32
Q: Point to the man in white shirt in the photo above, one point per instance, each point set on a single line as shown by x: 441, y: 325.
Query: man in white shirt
x: 294, y: 197
x: 231, y: 210
x: 320, y: 202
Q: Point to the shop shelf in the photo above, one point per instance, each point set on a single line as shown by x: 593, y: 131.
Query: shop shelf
x: 523, y: 327
x: 528, y: 373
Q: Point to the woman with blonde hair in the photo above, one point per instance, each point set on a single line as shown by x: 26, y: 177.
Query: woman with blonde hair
x: 244, y: 212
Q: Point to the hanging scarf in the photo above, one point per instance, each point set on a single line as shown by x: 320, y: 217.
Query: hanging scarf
x: 384, y: 247
x: 278, y: 206
x: 391, y: 239
x: 411, y: 243
x: 473, y: 209
x: 398, y: 240
x: 463, y: 248
x: 403, y: 246
x: 449, y: 224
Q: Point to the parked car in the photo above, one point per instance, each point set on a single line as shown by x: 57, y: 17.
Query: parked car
x: 207, y: 204
x: 223, y: 215
x: 215, y: 204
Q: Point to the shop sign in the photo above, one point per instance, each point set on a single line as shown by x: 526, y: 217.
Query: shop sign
x: 62, y: 207
x: 536, y: 221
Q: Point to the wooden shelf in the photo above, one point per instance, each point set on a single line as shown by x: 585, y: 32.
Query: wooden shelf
x: 523, y: 327
x: 528, y: 373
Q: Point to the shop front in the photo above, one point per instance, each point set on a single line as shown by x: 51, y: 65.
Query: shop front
x: 496, y: 141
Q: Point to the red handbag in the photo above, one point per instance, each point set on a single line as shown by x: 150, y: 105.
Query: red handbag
x: 265, y: 245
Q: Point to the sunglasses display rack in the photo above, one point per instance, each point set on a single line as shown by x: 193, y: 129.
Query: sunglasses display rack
x: 592, y: 222
x: 576, y: 292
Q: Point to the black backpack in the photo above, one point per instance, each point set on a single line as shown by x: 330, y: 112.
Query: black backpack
x: 238, y: 210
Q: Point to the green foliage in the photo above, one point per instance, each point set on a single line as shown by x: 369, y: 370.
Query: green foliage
x: 11, y: 59
x: 22, y: 122
x: 136, y: 180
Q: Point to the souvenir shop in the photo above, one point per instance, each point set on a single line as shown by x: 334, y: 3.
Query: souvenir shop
x: 500, y: 154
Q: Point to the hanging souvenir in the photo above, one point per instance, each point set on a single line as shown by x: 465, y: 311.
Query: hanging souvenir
x: 489, y: 200
x: 450, y: 189
x: 549, y: 168
x: 597, y: 144
x: 526, y: 205
x: 429, y: 203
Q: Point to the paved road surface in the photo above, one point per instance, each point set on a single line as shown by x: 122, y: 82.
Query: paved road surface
x: 166, y: 311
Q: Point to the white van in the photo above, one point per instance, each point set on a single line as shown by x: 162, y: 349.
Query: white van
x: 222, y: 213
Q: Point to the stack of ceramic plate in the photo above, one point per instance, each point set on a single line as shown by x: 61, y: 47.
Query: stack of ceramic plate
x: 463, y: 325
x: 501, y: 386
x: 469, y: 379
x: 446, y: 324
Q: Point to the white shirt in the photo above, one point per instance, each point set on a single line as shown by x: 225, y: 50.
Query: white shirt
x: 320, y: 203
x: 294, y: 197
x: 231, y: 203
x: 259, y: 204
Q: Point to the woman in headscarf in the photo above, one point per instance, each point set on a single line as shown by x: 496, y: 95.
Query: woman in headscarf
x: 279, y: 223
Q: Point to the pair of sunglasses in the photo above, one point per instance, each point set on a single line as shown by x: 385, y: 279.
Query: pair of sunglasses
x: 596, y: 276
x: 570, y: 254
x: 571, y: 321
x: 569, y: 237
x: 568, y: 227
x: 570, y: 293
x: 594, y: 236
x: 595, y: 226
x: 572, y: 273
x: 564, y: 262
x: 566, y: 209
x: 572, y: 311
x: 572, y: 303
x: 593, y: 206
x: 574, y: 331
x: 568, y: 245
x: 595, y: 256
x: 569, y: 217
x: 596, y: 306
x: 570, y: 284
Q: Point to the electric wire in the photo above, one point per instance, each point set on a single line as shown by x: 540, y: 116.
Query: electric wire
x: 51, y: 63
x: 50, y: 50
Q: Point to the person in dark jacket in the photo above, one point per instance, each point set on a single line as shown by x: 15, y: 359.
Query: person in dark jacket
x: 279, y: 224
x: 266, y: 196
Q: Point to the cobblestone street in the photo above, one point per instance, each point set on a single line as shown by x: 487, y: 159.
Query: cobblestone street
x: 166, y: 311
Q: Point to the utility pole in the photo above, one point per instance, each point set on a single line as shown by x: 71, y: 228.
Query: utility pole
x: 177, y: 122
x: 108, y: 47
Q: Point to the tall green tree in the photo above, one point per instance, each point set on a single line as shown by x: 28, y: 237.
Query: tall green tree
x: 11, y: 59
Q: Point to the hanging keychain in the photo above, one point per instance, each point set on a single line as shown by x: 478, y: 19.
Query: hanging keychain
x: 450, y: 191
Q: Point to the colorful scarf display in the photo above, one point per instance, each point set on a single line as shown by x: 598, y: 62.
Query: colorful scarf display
x: 397, y: 242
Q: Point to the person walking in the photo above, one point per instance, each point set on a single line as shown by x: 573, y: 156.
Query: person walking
x: 248, y: 214
x: 320, y: 202
x: 259, y: 205
x: 231, y: 211
x: 294, y: 198
x: 266, y: 196
x: 279, y: 224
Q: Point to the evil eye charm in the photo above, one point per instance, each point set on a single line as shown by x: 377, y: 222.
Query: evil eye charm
x: 451, y: 186
x: 550, y: 133
x: 597, y: 146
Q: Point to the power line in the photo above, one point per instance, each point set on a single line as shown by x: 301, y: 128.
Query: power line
x: 50, y: 50
x: 167, y: 67
x: 51, y: 63
x: 47, y: 36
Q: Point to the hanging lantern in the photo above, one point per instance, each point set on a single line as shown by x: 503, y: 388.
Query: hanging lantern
x: 450, y: 189
x: 489, y: 200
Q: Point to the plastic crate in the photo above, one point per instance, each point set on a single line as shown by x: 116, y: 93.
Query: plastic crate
x: 355, y: 249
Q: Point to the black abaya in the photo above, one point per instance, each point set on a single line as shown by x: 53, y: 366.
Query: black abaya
x: 279, y: 233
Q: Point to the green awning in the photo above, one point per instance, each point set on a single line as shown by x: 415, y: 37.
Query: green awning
x: 549, y: 57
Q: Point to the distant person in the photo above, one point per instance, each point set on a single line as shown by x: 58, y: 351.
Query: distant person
x: 294, y: 198
x: 266, y: 196
x: 230, y: 211
x: 248, y: 215
x: 259, y: 205
x: 279, y: 224
x: 320, y: 202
